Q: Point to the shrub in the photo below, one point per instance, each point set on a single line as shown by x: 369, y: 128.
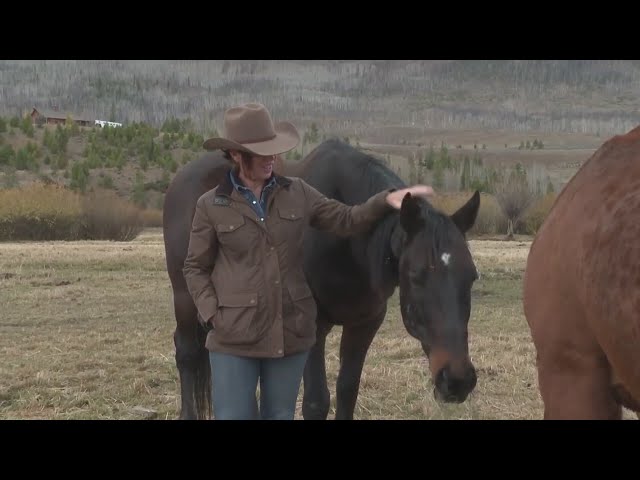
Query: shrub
x: 52, y: 212
x: 152, y: 217
x: 105, y: 216
x: 39, y: 212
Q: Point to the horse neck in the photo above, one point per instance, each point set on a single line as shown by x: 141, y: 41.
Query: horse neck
x: 381, y: 253
x: 375, y: 251
x: 289, y: 168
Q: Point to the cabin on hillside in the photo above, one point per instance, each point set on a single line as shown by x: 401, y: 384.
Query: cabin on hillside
x: 54, y: 117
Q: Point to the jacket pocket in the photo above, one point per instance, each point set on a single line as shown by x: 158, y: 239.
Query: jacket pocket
x: 232, y: 231
x: 237, y: 322
x: 289, y: 213
x: 238, y: 237
x: 300, y: 310
x: 290, y: 227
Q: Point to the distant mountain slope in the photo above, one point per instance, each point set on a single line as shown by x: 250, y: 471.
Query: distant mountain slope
x: 581, y: 96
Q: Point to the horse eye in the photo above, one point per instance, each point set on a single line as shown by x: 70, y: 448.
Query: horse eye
x: 419, y: 275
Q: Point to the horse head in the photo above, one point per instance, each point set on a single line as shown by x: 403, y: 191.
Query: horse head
x: 436, y: 272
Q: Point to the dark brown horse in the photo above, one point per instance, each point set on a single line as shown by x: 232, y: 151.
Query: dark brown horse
x: 582, y: 289
x: 418, y: 249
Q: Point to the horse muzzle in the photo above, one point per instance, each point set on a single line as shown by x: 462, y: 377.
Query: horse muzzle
x: 454, y: 386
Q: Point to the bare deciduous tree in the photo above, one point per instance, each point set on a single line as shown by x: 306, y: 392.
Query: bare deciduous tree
x: 514, y: 195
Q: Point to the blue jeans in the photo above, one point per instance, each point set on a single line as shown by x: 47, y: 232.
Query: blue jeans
x: 235, y: 380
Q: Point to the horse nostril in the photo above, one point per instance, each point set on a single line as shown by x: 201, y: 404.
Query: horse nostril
x: 442, y: 379
x: 445, y: 376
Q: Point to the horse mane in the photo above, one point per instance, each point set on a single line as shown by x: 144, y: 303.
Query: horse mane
x: 369, y: 173
x: 379, y: 176
x: 382, y: 264
x: 372, y: 175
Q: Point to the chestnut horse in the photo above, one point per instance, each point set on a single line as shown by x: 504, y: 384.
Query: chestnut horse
x: 582, y: 289
x: 418, y: 249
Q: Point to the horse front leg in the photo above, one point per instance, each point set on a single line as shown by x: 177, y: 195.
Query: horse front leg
x: 354, y: 345
x: 316, y: 399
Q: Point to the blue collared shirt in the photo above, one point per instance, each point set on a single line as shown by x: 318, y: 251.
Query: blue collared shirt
x: 259, y: 206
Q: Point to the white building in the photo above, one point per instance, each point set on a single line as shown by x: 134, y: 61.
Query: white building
x: 104, y: 123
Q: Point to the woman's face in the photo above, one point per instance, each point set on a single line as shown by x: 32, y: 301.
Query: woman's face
x: 256, y: 168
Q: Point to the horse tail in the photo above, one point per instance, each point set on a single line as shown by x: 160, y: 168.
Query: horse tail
x: 192, y: 356
x: 202, y: 380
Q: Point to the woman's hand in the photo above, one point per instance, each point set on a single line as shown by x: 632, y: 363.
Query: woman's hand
x: 395, y: 198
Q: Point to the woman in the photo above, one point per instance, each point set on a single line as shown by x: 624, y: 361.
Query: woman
x: 244, y: 265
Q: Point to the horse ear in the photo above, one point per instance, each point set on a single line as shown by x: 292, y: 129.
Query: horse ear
x: 410, y: 214
x: 465, y: 216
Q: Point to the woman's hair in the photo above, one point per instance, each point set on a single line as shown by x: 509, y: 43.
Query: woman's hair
x: 246, y: 158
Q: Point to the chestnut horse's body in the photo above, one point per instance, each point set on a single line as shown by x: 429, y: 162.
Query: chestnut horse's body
x: 582, y: 289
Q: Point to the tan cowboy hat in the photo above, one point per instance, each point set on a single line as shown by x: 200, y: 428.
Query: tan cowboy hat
x: 249, y: 128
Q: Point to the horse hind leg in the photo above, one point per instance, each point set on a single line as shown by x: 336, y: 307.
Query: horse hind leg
x: 574, y: 374
x: 616, y: 328
x: 623, y: 353
x: 624, y: 398
x: 577, y: 387
x: 354, y: 345
x: 192, y: 360
x: 316, y: 398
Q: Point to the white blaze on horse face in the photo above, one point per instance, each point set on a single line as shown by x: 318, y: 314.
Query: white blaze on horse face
x: 445, y: 258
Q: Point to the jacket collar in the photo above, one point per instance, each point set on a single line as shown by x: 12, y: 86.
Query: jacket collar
x: 225, y: 187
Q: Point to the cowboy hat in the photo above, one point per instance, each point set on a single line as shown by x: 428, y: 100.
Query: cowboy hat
x: 249, y: 128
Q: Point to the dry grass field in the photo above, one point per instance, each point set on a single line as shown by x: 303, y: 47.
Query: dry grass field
x: 86, y: 333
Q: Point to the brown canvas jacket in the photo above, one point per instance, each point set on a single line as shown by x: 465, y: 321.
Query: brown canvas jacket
x: 245, y: 273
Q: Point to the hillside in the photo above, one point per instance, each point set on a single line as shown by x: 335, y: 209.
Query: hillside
x: 490, y: 114
x: 137, y: 160
x: 354, y: 98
